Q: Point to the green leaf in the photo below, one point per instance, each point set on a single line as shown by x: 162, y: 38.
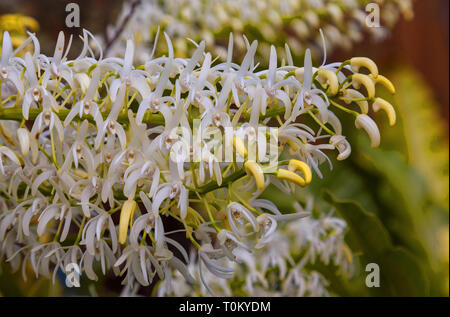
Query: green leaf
x: 401, y: 273
x: 339, y: 284
x: 400, y: 193
x: 367, y: 234
x: 425, y: 137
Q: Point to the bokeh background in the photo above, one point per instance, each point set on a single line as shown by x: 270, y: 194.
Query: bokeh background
x: 404, y: 182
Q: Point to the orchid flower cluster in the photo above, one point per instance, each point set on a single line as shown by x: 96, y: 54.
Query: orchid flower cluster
x: 283, y: 268
x: 92, y: 166
x: 271, y: 21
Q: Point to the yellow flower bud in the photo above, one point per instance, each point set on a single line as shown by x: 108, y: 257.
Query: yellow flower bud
x: 291, y: 177
x: 327, y: 77
x: 366, y: 81
x: 357, y: 62
x: 255, y: 170
x: 387, y: 107
x: 293, y: 145
x: 126, y: 214
x: 295, y: 165
x: 380, y: 79
x: 30, y: 23
x: 239, y: 146
x: 17, y: 40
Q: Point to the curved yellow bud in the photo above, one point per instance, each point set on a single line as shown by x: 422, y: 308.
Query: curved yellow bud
x: 17, y: 40
x: 327, y: 77
x: 387, y: 107
x: 295, y: 165
x: 380, y: 79
x: 357, y: 62
x: 291, y: 177
x: 254, y: 169
x: 18, y: 23
x: 366, y: 81
x: 30, y: 23
x: 239, y: 146
x: 126, y: 214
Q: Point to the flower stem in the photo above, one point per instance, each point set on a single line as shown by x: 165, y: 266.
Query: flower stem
x: 321, y: 124
x: 80, y: 231
x: 208, y: 210
x: 343, y: 108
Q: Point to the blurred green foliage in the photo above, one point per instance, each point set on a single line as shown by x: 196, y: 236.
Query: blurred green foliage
x: 397, y: 196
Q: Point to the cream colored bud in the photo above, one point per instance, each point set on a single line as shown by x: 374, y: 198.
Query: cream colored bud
x: 328, y: 79
x: 357, y: 62
x: 24, y: 140
x: 335, y: 12
x: 335, y: 123
x: 355, y: 94
x: 366, y: 81
x: 300, y: 28
x: 366, y: 122
x: 312, y: 18
x: 380, y: 79
x: 387, y: 107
